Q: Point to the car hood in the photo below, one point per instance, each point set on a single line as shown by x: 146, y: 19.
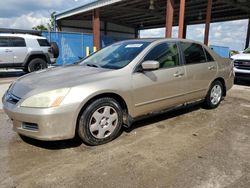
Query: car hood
x: 54, y: 78
x: 241, y: 56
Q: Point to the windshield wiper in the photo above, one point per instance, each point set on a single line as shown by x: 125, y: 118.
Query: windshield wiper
x: 92, y: 65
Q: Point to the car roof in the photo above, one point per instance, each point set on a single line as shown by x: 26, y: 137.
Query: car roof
x: 151, y: 40
x: 27, y: 36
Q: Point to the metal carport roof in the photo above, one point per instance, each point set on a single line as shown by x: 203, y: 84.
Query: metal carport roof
x: 147, y: 14
x: 136, y: 13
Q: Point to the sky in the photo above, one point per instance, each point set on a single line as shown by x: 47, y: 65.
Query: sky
x: 25, y: 14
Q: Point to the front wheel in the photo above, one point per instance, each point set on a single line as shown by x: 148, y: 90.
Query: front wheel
x: 100, y: 122
x: 214, y: 95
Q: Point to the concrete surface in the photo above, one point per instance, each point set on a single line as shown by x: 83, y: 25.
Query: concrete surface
x: 191, y: 147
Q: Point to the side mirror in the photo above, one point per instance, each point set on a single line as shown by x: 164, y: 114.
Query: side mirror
x: 150, y: 65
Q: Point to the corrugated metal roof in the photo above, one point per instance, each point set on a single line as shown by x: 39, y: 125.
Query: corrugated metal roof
x: 136, y: 13
x: 85, y: 8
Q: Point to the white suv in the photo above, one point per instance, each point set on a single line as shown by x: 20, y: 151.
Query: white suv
x: 29, y: 52
x: 242, y: 65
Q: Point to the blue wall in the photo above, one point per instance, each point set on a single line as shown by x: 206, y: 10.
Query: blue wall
x: 72, y: 46
x: 221, y: 50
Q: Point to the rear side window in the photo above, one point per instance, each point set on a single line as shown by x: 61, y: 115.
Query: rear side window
x: 17, y: 42
x: 43, y: 42
x: 166, y: 54
x: 208, y: 55
x: 193, y: 53
x: 4, y: 42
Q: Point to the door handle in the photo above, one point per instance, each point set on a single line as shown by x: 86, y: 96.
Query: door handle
x: 211, y: 68
x: 178, y: 74
x: 7, y: 50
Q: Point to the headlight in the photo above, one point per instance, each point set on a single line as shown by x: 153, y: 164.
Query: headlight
x: 46, y: 99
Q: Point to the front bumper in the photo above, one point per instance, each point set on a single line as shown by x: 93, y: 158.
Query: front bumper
x: 43, y: 124
x: 242, y: 74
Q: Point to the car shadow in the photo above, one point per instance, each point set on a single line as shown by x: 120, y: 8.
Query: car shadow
x: 10, y: 74
x: 53, y: 145
x: 168, y: 114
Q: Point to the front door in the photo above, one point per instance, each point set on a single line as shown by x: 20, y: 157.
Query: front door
x: 159, y: 89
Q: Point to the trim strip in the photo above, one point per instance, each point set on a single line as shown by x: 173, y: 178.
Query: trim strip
x: 166, y: 98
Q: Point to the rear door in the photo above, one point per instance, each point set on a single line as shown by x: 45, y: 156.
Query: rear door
x: 162, y: 88
x: 201, y: 69
x: 19, y: 49
x: 6, y: 53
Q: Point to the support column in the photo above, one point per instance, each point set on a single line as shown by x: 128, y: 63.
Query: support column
x: 169, y: 18
x: 248, y: 34
x: 96, y: 28
x: 208, y: 21
x: 185, y: 30
x: 136, y: 33
x: 105, y: 28
x: 181, y: 18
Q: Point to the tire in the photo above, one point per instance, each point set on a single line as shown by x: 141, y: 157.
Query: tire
x: 36, y: 65
x: 55, y: 49
x: 214, y: 95
x: 108, y: 113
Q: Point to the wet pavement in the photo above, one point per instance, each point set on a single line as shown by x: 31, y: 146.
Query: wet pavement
x: 190, y: 147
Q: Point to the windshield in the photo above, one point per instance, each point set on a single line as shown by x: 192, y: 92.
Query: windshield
x: 116, y: 56
x: 247, y: 51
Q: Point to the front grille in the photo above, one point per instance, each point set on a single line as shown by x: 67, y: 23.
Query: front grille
x: 12, y: 98
x: 242, y: 75
x: 242, y: 64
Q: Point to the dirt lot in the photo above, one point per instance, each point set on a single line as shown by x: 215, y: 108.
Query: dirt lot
x: 190, y: 147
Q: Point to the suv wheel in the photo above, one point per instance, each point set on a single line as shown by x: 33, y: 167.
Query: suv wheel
x: 100, y: 122
x: 36, y: 65
x: 214, y: 96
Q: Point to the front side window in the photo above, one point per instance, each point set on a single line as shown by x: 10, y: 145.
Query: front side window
x: 116, y: 56
x: 208, y: 55
x: 193, y: 53
x: 166, y: 54
x: 4, y: 42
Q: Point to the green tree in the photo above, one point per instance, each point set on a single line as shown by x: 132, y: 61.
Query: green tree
x: 40, y: 28
x: 50, y: 26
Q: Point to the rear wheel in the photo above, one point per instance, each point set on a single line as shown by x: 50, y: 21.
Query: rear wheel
x: 36, y: 65
x: 100, y: 122
x: 214, y: 95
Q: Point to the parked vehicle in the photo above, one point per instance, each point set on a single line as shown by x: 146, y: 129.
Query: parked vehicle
x: 115, y: 86
x: 242, y: 65
x: 29, y: 52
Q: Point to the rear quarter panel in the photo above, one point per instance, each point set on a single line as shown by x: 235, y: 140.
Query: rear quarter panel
x: 225, y: 69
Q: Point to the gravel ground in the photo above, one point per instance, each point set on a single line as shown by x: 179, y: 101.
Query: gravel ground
x: 190, y: 147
